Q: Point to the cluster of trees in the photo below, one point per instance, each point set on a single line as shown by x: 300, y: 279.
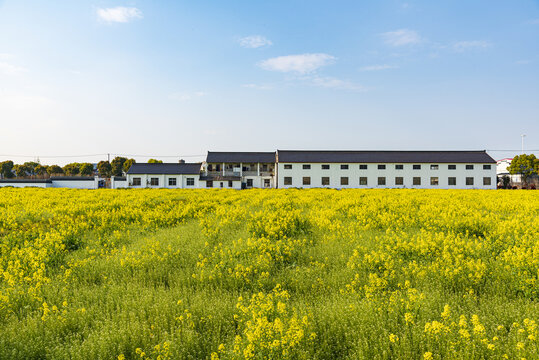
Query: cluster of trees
x: 116, y: 167
x: 524, y: 165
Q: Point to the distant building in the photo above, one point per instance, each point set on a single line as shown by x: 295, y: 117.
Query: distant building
x: 71, y: 182
x: 165, y: 175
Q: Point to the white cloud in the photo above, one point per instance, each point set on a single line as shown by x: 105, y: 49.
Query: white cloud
x: 254, y: 41
x: 522, y: 62
x: 302, y: 64
x: 119, y: 14
x: 185, y: 96
x: 462, y: 46
x: 378, y: 67
x: 401, y: 37
x: 335, y: 83
x: 10, y: 69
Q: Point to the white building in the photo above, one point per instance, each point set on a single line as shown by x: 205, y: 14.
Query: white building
x: 19, y: 183
x: 240, y: 170
x: 386, y: 169
x: 167, y: 175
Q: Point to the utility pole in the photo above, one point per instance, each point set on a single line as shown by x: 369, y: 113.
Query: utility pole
x: 108, y: 156
x: 523, y: 136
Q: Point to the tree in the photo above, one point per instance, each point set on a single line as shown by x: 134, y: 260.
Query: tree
x: 31, y: 167
x: 86, y: 169
x: 20, y: 170
x: 6, y: 168
x: 128, y: 163
x: 104, y: 168
x: 117, y: 165
x: 40, y: 170
x: 505, y: 181
x: 54, y: 170
x: 154, y: 161
x: 72, y: 169
x: 525, y: 166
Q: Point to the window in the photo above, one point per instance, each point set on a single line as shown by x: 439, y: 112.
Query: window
x: 288, y: 180
x: 434, y: 181
x: 452, y: 181
x: 249, y: 182
x: 221, y: 184
x: 209, y: 184
x: 417, y: 167
x: 287, y: 166
x: 486, y: 167
x: 306, y: 167
x: 363, y: 167
x: 399, y: 180
x: 306, y: 180
x: 190, y: 182
x: 381, y: 167
x: 452, y: 167
x: 136, y: 181
x: 230, y: 184
x: 363, y: 180
x: 487, y: 180
x: 434, y: 167
x: 344, y: 180
x: 172, y: 182
x: 325, y: 180
x: 416, y: 180
x: 325, y: 167
x: 210, y: 168
x: 344, y: 167
x: 381, y: 181
x: 154, y: 181
x: 399, y: 167
x: 218, y: 167
x: 469, y: 181
x: 267, y: 183
x: 469, y: 167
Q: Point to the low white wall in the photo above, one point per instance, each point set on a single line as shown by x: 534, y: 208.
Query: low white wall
x: 25, y: 184
x: 75, y: 184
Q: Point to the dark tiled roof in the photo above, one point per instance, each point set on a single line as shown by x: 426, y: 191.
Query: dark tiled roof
x: 72, y: 178
x: 30, y: 181
x: 120, y: 178
x: 166, y: 168
x: 292, y: 156
x: 220, y: 178
x: 240, y: 157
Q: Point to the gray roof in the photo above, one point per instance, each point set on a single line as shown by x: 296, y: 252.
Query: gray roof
x: 72, y: 178
x: 166, y: 168
x: 30, y: 181
x: 240, y: 157
x: 305, y: 156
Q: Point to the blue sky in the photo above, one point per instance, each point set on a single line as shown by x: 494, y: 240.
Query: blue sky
x: 181, y: 78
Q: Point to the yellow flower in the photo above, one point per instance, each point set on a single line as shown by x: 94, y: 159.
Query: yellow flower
x: 393, y: 338
x: 427, y: 356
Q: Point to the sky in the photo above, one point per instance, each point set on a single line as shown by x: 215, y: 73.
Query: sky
x: 174, y: 79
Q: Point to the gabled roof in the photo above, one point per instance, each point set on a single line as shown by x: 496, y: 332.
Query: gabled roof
x: 72, y: 178
x: 318, y: 156
x: 29, y: 181
x: 165, y: 168
x: 240, y: 157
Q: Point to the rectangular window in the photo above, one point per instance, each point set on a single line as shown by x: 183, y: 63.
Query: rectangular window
x: 381, y: 181
x: 452, y: 167
x: 288, y: 180
x: 221, y: 184
x: 363, y: 167
x: 218, y: 167
x: 306, y: 180
x: 230, y: 184
x: 325, y: 180
x: 249, y: 182
x: 416, y: 180
x: 288, y: 166
x: 190, y: 182
x: 325, y: 167
x: 417, y: 167
x: 344, y: 180
x: 469, y: 167
x: 487, y: 180
x: 434, y: 167
x: 154, y: 181
x: 381, y: 167
x: 306, y: 167
x: 172, y: 182
x: 209, y: 184
x: 469, y: 181
x: 363, y: 180
x: 452, y: 181
x: 399, y: 167
x: 267, y: 183
x: 486, y: 167
x: 434, y: 181
x: 344, y: 167
x: 137, y: 181
x: 399, y: 180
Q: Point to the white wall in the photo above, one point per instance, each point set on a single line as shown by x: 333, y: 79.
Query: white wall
x: 75, y: 184
x: 258, y: 181
x: 236, y: 184
x: 372, y: 173
x: 181, y: 181
x: 118, y: 184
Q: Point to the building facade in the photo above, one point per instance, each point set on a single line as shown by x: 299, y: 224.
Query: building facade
x: 167, y: 175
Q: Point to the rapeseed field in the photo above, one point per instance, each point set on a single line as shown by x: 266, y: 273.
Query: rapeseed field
x: 269, y: 274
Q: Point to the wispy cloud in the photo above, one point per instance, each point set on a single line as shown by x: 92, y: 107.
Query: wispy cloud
x: 534, y: 21
x: 462, y: 46
x: 186, y: 96
x: 10, y: 69
x: 335, y: 83
x: 301, y: 64
x: 258, y: 86
x: 119, y: 14
x: 401, y: 37
x: 523, y: 62
x: 378, y: 67
x: 254, y: 41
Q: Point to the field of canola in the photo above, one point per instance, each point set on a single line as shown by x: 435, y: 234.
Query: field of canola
x: 269, y: 274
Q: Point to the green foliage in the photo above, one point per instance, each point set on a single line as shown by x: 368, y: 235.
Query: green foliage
x: 104, y: 168
x: 54, y: 170
x: 72, y: 169
x: 154, y: 161
x: 6, y: 168
x: 117, y: 166
x: 127, y: 164
x: 525, y: 166
x: 40, y: 170
x: 21, y: 171
x: 86, y: 169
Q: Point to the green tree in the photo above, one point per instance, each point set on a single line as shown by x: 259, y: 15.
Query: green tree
x: 154, y: 161
x: 54, y: 170
x: 72, y: 169
x: 31, y: 167
x: 86, y: 169
x: 117, y: 165
x: 104, y: 168
x: 21, y: 170
x: 525, y: 166
x: 6, y: 168
x: 40, y: 170
x: 128, y: 163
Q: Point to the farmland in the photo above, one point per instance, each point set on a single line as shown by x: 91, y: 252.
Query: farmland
x: 324, y: 274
